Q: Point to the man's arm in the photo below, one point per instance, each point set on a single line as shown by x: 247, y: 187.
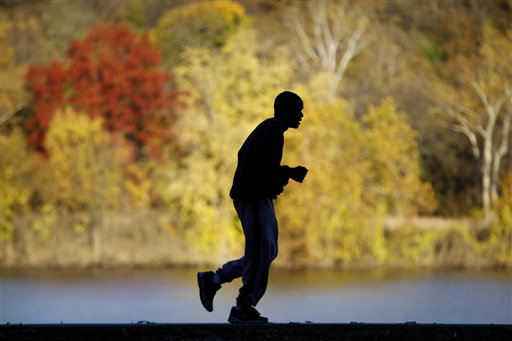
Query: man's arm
x: 280, y: 174
x: 298, y: 173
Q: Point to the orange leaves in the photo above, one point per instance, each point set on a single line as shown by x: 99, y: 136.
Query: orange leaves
x: 112, y: 74
x: 47, y: 87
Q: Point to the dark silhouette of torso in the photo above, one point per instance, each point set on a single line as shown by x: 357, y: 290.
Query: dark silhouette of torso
x: 259, y: 173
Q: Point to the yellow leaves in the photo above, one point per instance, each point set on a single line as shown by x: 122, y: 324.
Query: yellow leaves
x: 493, y: 66
x: 330, y: 143
x: 75, y: 128
x: 501, y: 230
x: 481, y: 80
x: 228, y: 92
x: 138, y: 185
x: 392, y: 142
x: 16, y: 168
x: 409, y: 244
x: 79, y: 228
x: 205, y: 24
x: 395, y: 161
x: 227, y: 11
x: 358, y: 172
x: 17, y: 33
x: 495, y: 45
x: 21, y: 38
x: 233, y: 81
x: 85, y: 163
x: 44, y: 224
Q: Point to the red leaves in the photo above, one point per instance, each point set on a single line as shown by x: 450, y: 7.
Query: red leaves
x: 47, y: 87
x: 113, y: 74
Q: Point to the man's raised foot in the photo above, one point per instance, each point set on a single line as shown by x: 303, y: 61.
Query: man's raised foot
x: 207, y: 289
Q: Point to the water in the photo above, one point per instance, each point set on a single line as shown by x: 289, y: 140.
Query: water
x: 170, y: 296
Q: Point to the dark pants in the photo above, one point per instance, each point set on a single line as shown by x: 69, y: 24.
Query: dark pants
x: 260, y: 229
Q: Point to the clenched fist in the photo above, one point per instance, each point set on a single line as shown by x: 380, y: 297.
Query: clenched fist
x: 298, y: 173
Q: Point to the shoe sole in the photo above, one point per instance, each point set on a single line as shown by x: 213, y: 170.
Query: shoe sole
x: 201, y: 294
x: 236, y: 320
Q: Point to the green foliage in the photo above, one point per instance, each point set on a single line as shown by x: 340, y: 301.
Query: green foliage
x: 205, y: 24
x: 430, y: 48
x: 17, y: 166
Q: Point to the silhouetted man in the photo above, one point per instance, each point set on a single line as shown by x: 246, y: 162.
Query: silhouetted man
x: 259, y: 178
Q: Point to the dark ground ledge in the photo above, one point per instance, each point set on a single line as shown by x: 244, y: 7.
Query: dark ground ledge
x: 279, y: 331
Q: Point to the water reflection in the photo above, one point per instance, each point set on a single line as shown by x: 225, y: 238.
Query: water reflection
x: 170, y: 295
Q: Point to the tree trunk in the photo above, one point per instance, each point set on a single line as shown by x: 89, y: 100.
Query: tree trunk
x: 486, y: 190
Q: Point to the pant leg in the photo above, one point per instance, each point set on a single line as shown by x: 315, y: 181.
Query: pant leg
x: 230, y: 271
x: 261, y: 234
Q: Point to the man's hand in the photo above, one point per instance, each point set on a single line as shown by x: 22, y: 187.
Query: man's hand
x: 298, y: 173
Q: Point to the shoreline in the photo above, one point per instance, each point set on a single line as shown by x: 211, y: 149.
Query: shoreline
x: 271, y: 331
x: 185, y: 266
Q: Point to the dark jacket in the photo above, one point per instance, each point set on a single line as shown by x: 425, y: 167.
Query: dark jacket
x: 259, y: 173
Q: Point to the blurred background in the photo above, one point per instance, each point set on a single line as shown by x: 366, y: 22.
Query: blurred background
x: 120, y: 124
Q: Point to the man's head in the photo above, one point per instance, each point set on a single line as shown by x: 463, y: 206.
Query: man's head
x: 288, y: 109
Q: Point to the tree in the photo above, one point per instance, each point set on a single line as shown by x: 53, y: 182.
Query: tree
x: 395, y: 163
x: 479, y: 105
x: 360, y: 172
x: 47, y: 86
x: 204, y: 24
x: 64, y: 21
x: 86, y: 166
x: 111, y: 74
x: 501, y: 229
x: 324, y: 220
x: 227, y: 93
x: 329, y: 36
x: 22, y: 42
x: 17, y: 166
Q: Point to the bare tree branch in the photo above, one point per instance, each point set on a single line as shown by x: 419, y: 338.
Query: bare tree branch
x: 306, y: 43
x: 328, y: 37
x: 503, y: 148
x: 6, y: 117
x: 351, y: 50
x: 464, y: 128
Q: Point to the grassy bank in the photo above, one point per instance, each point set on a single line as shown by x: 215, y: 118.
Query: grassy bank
x: 148, y: 239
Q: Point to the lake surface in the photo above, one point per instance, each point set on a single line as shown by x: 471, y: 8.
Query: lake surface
x: 171, y: 296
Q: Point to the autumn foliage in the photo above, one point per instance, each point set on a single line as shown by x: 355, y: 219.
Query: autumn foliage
x: 112, y: 74
x: 407, y: 114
